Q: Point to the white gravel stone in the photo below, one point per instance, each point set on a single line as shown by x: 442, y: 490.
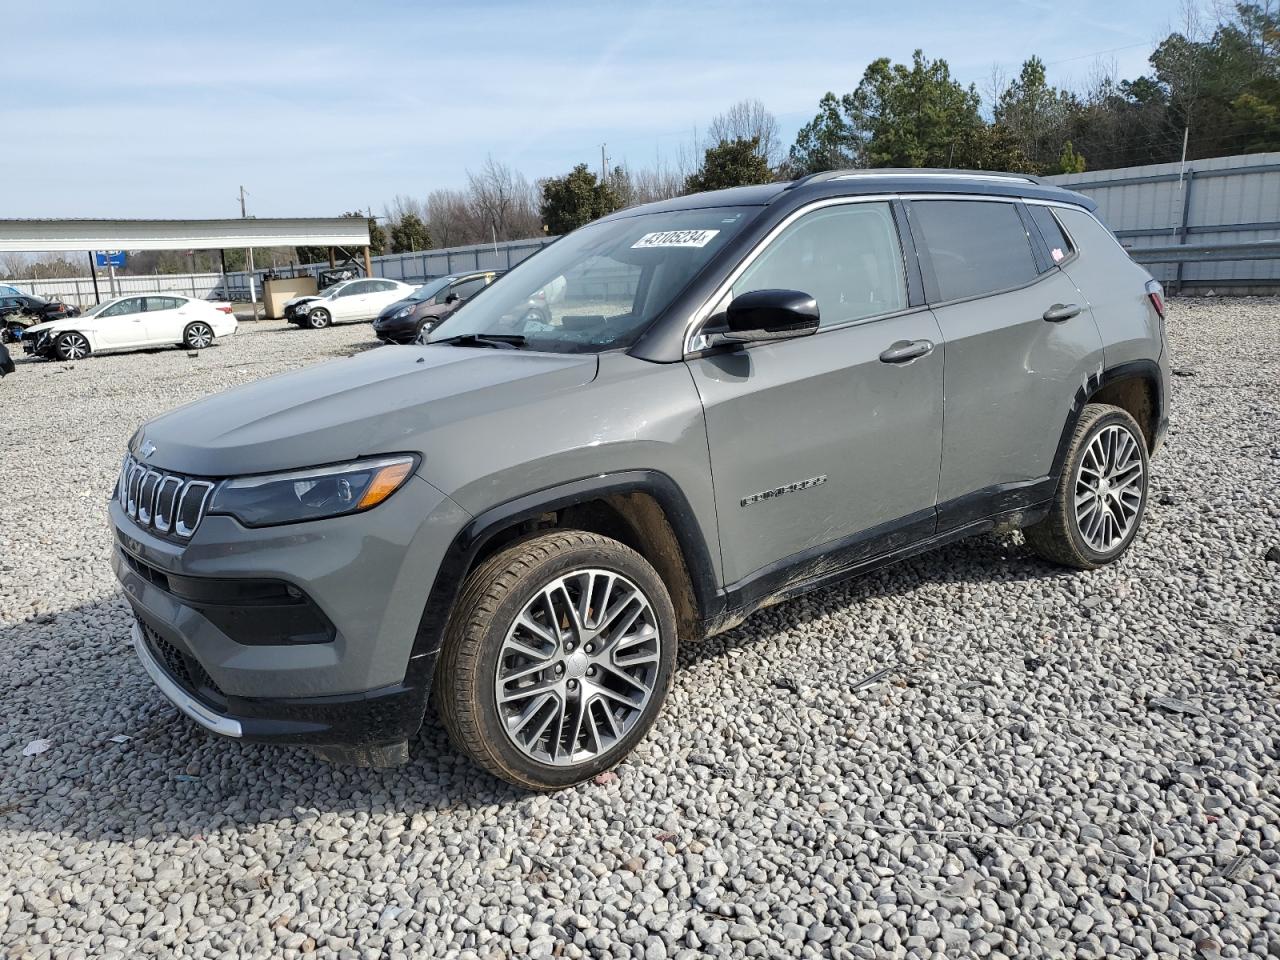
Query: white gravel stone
x: 1003, y: 790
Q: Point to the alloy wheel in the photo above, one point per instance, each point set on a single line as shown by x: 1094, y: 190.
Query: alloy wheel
x: 199, y: 336
x: 578, y: 667
x: 1109, y: 488
x: 73, y: 347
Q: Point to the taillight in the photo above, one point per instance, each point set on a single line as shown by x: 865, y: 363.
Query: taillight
x: 227, y: 311
x: 1156, y: 296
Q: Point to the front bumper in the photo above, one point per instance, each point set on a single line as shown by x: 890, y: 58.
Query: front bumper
x: 397, y: 331
x: 263, y: 671
x: 371, y: 718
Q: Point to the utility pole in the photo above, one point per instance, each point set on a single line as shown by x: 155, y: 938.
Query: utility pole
x: 603, y: 165
x: 253, y: 291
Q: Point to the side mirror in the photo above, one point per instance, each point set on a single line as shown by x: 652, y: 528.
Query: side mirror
x: 451, y: 298
x: 764, y: 315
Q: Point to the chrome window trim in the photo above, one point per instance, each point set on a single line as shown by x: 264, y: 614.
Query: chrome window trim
x: 900, y: 175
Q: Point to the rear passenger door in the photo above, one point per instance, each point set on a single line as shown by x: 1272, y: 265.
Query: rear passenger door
x: 162, y: 321
x: 1020, y: 341
x: 828, y: 443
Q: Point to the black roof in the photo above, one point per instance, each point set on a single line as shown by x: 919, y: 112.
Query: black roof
x: 837, y: 183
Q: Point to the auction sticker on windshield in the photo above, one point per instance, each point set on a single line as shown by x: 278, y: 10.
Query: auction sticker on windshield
x: 675, y: 238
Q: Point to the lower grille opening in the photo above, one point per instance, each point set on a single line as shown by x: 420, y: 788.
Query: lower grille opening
x: 185, y: 671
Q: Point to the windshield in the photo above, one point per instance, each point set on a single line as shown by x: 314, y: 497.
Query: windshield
x: 428, y: 290
x: 600, y: 287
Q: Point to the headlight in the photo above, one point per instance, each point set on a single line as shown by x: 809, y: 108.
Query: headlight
x: 264, y: 501
x: 401, y: 313
x: 302, y: 307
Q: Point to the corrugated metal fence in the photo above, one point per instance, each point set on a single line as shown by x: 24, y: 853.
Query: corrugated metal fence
x: 409, y: 267
x: 1226, y: 200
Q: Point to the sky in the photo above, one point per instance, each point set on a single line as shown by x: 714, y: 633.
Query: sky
x: 164, y: 110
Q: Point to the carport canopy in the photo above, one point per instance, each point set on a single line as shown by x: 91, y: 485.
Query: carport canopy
x: 38, y: 236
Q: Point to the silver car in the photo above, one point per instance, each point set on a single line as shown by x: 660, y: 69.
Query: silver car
x: 730, y: 399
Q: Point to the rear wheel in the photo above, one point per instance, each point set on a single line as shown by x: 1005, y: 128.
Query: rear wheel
x: 557, y: 659
x: 197, y: 336
x: 318, y: 318
x: 1102, y: 494
x: 71, y: 346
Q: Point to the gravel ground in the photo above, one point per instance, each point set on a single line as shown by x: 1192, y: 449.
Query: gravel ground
x: 956, y: 756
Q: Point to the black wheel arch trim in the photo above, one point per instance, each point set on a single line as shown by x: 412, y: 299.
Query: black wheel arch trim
x: 481, y: 529
x: 1148, y: 370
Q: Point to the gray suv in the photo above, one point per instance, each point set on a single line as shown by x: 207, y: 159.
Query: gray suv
x: 733, y: 398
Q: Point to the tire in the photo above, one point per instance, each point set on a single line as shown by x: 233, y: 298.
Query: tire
x: 197, y: 336
x: 594, y: 729
x: 318, y: 318
x: 1108, y: 452
x: 71, y: 346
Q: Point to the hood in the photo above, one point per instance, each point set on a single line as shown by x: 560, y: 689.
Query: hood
x: 380, y: 401
x: 64, y: 323
x: 392, y: 308
x: 293, y: 301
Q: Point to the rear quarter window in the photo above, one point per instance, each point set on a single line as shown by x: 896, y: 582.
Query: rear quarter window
x: 1055, y: 238
x: 976, y: 246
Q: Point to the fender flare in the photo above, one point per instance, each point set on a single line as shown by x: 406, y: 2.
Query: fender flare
x: 481, y: 529
x: 1148, y: 370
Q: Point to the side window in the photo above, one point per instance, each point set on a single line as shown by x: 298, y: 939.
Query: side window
x: 155, y: 304
x: 1055, y: 238
x: 354, y: 289
x: 976, y: 246
x: 124, y: 308
x: 846, y: 257
x: 467, y: 288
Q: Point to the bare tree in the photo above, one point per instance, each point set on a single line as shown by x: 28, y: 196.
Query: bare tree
x: 450, y: 218
x: 14, y: 266
x: 401, y: 205
x: 744, y: 120
x: 503, y: 201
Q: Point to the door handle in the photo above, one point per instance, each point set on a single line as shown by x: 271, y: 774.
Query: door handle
x: 904, y: 351
x: 1061, y: 311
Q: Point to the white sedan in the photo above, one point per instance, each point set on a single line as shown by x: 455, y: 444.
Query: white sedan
x: 128, y: 323
x: 360, y: 299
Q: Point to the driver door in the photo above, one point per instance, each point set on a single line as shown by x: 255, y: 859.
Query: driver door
x: 828, y: 444
x: 122, y: 324
x: 351, y: 301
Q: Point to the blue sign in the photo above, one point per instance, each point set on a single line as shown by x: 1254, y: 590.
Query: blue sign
x: 110, y: 258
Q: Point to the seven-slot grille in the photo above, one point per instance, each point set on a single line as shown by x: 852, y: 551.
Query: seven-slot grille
x: 167, y: 503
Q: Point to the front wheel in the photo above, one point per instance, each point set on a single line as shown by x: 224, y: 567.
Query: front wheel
x: 318, y: 318
x: 197, y: 336
x: 557, y: 659
x: 71, y: 346
x: 1102, y: 493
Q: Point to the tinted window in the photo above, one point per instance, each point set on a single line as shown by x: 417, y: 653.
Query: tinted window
x: 846, y: 257
x: 354, y: 289
x: 1055, y: 238
x: 162, y: 303
x: 467, y: 288
x: 976, y: 246
x: 383, y: 286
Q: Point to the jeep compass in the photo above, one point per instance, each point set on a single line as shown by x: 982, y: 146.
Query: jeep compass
x: 730, y: 398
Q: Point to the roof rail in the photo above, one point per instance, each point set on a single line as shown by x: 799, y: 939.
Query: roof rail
x: 829, y: 175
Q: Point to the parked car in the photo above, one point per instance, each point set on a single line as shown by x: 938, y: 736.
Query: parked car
x: 344, y: 302
x: 127, y: 323
x: 8, y: 291
x: 740, y: 398
x: 18, y: 312
x: 404, y: 320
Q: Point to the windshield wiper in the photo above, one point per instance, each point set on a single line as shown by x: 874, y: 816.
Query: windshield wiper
x: 502, y: 341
